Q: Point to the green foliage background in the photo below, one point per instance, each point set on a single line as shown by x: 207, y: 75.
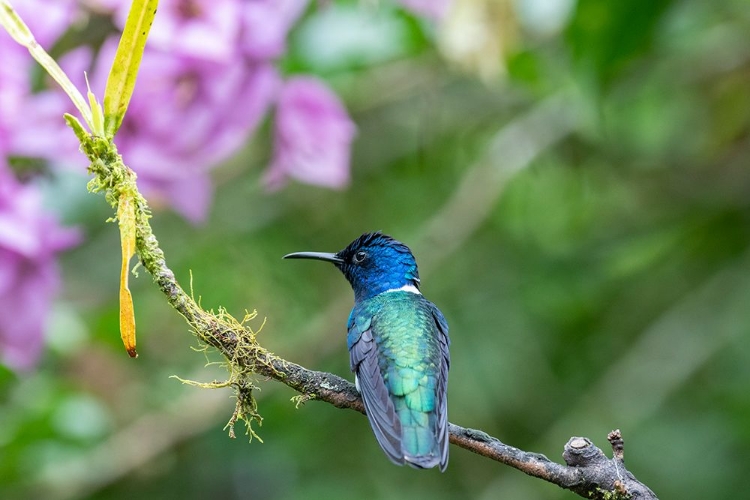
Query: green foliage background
x: 606, y: 284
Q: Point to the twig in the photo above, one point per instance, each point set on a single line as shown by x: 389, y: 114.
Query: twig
x: 588, y: 472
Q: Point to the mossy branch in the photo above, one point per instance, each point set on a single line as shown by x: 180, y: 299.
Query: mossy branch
x: 588, y: 472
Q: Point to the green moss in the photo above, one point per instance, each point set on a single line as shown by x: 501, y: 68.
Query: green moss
x: 234, y: 339
x: 611, y: 495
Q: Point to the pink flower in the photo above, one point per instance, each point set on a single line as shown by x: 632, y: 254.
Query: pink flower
x: 14, y: 80
x: 434, y: 9
x: 186, y: 116
x: 205, y: 83
x: 47, y: 19
x: 313, y: 136
x: 29, y: 237
x: 216, y: 29
x: 29, y: 240
x: 32, y: 123
x: 265, y: 25
x: 206, y: 29
x: 40, y: 131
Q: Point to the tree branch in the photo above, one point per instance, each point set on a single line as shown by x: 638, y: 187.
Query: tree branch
x: 588, y: 472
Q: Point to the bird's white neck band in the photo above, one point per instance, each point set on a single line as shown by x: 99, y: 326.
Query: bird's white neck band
x: 405, y: 288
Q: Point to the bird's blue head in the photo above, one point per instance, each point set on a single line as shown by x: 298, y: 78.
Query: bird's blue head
x: 373, y: 263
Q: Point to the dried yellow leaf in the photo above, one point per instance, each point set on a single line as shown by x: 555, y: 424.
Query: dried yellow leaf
x: 126, y: 221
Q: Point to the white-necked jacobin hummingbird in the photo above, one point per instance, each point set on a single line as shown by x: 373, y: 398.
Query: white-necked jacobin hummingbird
x: 398, y: 347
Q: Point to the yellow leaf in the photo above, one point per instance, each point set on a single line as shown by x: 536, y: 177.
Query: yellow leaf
x: 126, y: 221
x: 122, y: 75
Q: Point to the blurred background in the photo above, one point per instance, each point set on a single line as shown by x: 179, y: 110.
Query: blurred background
x: 572, y: 177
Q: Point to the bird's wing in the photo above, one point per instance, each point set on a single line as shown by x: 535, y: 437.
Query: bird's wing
x: 442, y: 385
x: 383, y: 419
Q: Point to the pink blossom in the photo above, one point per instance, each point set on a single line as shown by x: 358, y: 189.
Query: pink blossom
x: 29, y: 237
x: 32, y: 123
x: 434, y: 9
x: 40, y: 132
x: 29, y: 240
x: 185, y: 117
x: 14, y: 80
x: 205, y: 83
x: 313, y: 136
x: 265, y: 25
x: 216, y: 29
x: 206, y: 29
x: 47, y: 19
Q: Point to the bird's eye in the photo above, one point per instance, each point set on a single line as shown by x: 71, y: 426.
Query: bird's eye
x: 359, y: 257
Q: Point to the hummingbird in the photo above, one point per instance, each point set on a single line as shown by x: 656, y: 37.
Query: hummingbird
x: 398, y: 349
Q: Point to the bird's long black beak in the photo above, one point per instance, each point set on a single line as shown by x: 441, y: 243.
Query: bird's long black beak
x: 328, y: 257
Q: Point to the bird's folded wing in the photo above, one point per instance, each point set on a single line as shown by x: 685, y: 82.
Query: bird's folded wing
x: 379, y: 408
